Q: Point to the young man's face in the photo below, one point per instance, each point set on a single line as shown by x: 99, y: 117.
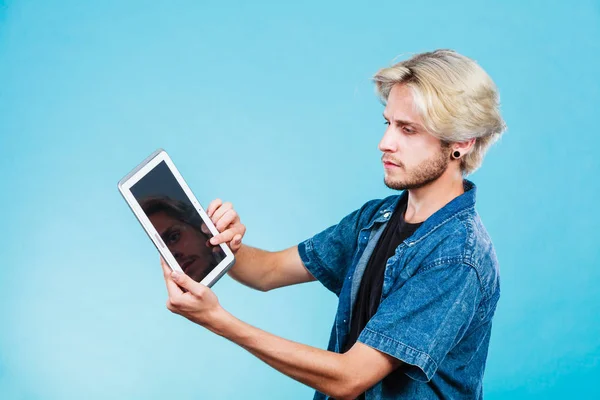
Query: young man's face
x: 188, y: 245
x: 412, y: 157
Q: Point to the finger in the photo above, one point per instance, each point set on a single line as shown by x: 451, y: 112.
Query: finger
x: 236, y: 242
x: 223, y: 237
x: 204, y: 229
x: 186, y: 282
x: 226, y: 219
x: 172, y: 287
x: 220, y: 211
x: 213, y: 206
x: 166, y: 269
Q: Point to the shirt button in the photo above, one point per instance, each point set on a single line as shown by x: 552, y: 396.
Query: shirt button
x: 345, y: 321
x: 387, y: 214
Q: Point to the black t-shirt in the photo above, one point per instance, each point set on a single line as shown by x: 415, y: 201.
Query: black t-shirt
x: 369, y: 292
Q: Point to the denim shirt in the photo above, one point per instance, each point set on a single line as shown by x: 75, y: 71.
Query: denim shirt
x: 439, y: 295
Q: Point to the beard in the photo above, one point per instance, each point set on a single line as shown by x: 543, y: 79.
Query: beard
x: 423, y: 174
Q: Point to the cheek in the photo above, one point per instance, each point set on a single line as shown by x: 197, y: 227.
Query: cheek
x: 188, y: 242
x: 196, y: 243
x: 420, y: 150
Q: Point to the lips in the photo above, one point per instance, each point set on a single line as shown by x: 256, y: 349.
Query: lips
x: 188, y: 261
x: 389, y: 163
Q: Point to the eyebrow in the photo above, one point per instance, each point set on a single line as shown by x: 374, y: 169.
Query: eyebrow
x: 403, y: 122
x: 165, y: 235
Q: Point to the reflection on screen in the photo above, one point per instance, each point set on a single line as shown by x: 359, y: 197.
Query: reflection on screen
x: 177, y: 222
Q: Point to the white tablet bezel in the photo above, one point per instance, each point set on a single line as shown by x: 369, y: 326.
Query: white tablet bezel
x: 136, y: 175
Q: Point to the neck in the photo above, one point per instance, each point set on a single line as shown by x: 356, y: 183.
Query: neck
x: 425, y: 201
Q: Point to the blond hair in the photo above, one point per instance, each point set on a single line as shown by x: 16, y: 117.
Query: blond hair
x: 455, y: 96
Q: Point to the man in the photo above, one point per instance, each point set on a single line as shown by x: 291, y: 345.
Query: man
x: 415, y: 273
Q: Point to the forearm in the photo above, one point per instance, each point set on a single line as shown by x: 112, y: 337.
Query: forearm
x: 322, y: 370
x: 252, y: 267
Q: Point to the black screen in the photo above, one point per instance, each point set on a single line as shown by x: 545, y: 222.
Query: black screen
x: 177, y: 222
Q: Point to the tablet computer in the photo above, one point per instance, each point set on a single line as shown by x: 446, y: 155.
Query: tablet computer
x: 174, y: 219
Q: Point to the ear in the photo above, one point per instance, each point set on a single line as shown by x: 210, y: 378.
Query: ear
x: 463, y: 147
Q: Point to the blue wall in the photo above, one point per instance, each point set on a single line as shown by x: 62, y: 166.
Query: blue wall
x: 270, y: 106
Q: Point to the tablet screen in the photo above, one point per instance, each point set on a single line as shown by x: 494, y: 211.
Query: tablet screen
x: 177, y: 222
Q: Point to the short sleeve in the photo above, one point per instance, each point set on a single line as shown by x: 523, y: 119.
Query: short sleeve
x: 420, y: 322
x: 328, y: 254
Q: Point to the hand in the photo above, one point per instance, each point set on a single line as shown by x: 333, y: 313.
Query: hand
x: 199, y: 304
x: 228, y: 223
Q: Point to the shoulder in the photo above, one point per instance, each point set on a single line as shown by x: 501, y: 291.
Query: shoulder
x: 462, y: 240
x: 478, y: 252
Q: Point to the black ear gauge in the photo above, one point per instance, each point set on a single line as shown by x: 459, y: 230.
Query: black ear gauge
x: 456, y: 154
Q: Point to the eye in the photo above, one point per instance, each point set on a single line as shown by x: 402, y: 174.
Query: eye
x: 174, y: 237
x: 408, y: 130
x: 386, y: 122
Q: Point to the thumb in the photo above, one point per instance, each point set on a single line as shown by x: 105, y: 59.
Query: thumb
x: 184, y: 281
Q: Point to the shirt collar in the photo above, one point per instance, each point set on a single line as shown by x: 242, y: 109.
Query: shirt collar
x: 457, y: 205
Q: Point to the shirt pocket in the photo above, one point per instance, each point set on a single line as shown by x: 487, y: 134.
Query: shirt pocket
x: 397, y: 271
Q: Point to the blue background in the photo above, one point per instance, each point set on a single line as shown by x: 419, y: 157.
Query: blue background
x: 270, y: 106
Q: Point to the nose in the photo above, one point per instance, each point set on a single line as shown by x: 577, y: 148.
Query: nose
x: 176, y: 253
x: 387, y: 144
